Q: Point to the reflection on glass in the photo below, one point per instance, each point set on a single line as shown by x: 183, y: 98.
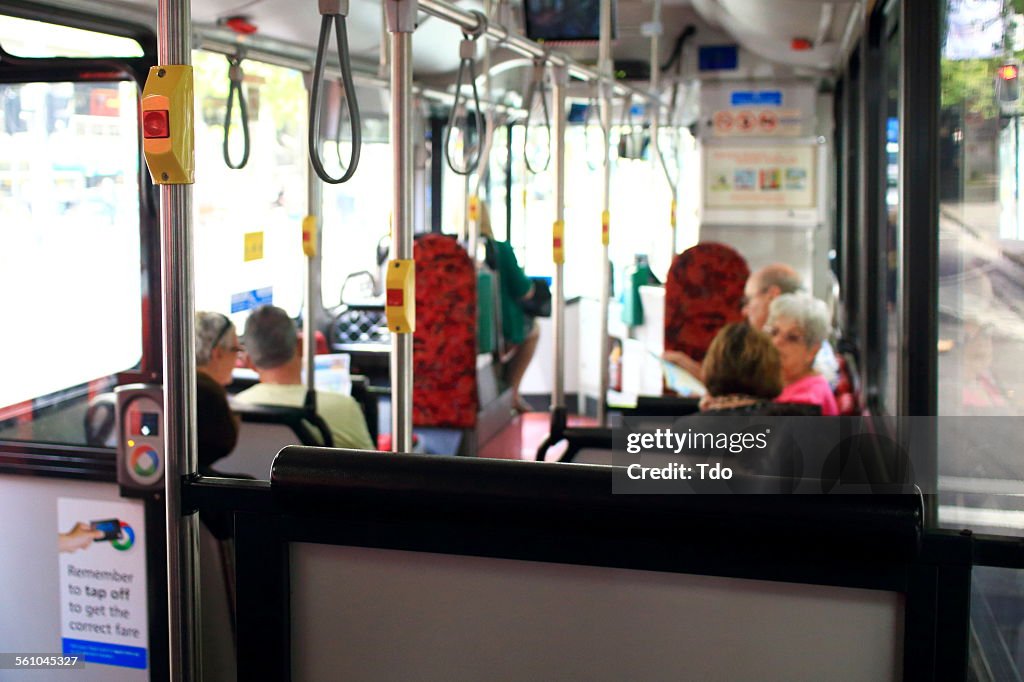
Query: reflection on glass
x: 997, y: 622
x: 69, y: 242
x: 981, y: 287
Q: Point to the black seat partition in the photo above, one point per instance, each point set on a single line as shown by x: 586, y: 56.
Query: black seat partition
x: 467, y: 532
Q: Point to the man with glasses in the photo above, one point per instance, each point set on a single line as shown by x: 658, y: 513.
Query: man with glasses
x: 763, y: 287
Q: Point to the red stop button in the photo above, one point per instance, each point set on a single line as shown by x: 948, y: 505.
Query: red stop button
x: 156, y: 124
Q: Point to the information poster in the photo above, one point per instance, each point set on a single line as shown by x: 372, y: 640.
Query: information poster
x: 759, y: 177
x: 102, y: 550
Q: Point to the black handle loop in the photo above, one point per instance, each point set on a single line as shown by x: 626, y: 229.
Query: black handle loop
x: 349, y: 94
x: 537, y: 89
x: 235, y: 76
x: 467, y: 48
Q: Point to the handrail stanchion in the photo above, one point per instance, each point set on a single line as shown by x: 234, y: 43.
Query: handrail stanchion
x: 174, y: 47
x: 558, y: 416
x: 311, y: 248
x: 401, y: 16
x: 605, y: 66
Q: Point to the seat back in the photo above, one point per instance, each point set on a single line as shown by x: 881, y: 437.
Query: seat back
x: 265, y: 429
x: 703, y: 293
x: 444, y: 345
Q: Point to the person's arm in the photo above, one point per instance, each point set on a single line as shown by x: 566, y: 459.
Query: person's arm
x: 686, y: 362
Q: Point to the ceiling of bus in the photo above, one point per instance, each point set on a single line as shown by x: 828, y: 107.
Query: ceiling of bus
x: 768, y: 28
x: 764, y: 28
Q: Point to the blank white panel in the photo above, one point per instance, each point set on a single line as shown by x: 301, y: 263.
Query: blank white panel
x: 369, y: 614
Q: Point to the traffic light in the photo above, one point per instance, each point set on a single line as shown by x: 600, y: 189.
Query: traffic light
x: 1008, y: 85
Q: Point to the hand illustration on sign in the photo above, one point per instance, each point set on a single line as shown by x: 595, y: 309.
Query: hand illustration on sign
x: 79, y: 537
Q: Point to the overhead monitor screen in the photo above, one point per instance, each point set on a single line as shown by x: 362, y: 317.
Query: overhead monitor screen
x: 564, y: 21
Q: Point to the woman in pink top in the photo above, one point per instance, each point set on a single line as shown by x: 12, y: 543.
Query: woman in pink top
x: 797, y: 324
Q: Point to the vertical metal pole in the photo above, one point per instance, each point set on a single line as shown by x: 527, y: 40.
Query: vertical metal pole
x: 469, y: 227
x: 401, y: 23
x: 314, y: 193
x: 606, y: 69
x: 655, y: 150
x: 174, y: 46
x: 561, y: 82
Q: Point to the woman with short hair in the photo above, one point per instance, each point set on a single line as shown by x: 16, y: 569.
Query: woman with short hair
x: 741, y: 371
x: 798, y: 324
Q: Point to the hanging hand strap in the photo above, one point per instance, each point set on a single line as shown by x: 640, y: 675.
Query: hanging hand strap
x: 235, y: 76
x: 333, y: 11
x: 467, y: 54
x: 537, y: 89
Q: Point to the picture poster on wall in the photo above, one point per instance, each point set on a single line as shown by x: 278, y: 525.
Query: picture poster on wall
x: 759, y: 177
x: 101, y: 547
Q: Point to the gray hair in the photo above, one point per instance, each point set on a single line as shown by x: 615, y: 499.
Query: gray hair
x: 809, y: 313
x: 270, y: 337
x: 782, y: 276
x: 209, y: 326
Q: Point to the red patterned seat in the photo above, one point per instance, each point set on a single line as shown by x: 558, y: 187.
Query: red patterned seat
x: 444, y: 345
x: 703, y: 293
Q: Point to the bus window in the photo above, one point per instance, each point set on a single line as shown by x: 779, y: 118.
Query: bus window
x: 69, y: 251
x: 248, y: 222
x: 36, y: 39
x: 981, y: 226
x: 356, y: 215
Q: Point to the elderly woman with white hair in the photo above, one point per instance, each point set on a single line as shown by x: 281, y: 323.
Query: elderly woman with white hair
x: 798, y: 324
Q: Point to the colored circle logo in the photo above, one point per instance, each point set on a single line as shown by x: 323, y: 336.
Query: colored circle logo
x: 145, y: 461
x: 126, y: 540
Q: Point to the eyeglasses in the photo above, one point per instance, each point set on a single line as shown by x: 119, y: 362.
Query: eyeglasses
x: 788, y: 337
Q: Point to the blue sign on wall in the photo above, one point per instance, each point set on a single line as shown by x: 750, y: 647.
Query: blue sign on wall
x: 247, y: 300
x: 749, y: 98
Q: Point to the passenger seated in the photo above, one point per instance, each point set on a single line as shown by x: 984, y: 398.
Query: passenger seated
x: 216, y: 351
x: 216, y: 425
x: 519, y: 329
x: 762, y: 287
x: 271, y: 342
x: 741, y: 372
x: 797, y: 325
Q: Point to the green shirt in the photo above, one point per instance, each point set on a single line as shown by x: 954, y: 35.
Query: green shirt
x: 514, y: 286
